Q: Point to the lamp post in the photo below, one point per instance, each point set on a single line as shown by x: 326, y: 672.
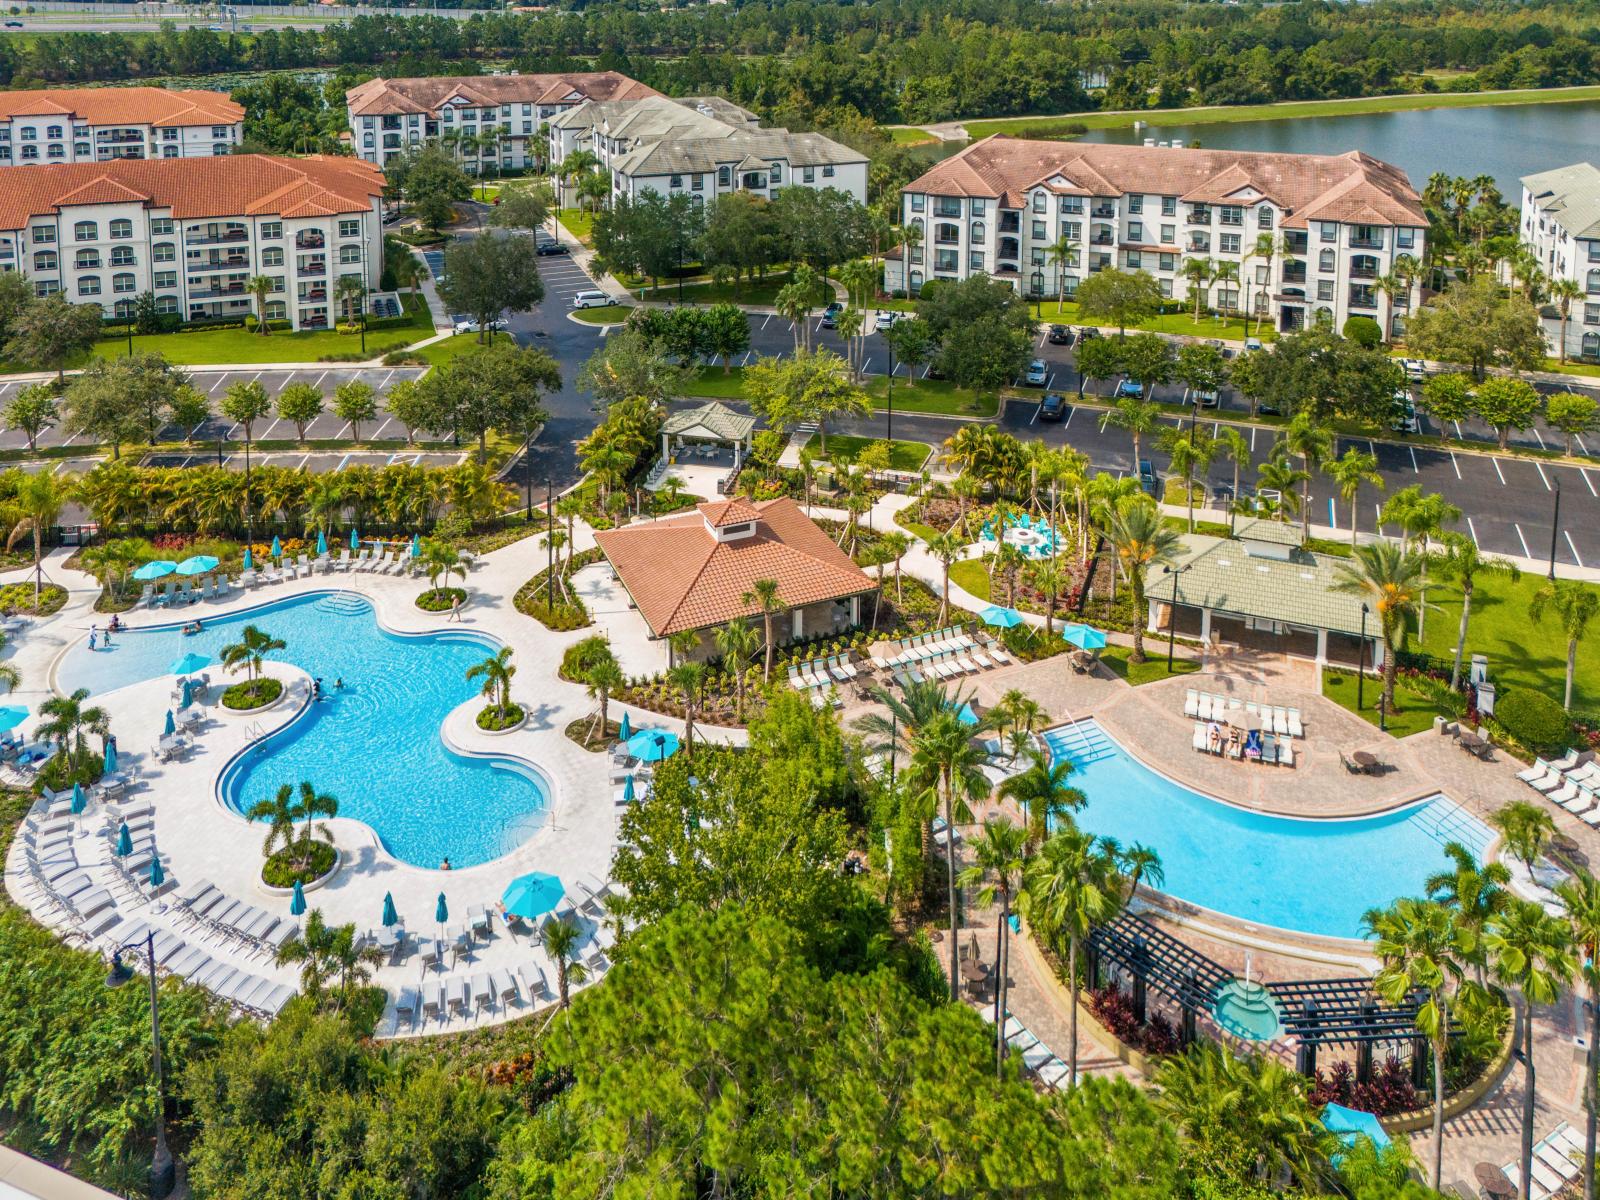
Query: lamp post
x: 163, y: 1175
x: 364, y: 243
x: 1361, y: 659
x: 1555, y: 525
x: 1038, y: 293
x: 549, y: 543
x: 1172, y: 613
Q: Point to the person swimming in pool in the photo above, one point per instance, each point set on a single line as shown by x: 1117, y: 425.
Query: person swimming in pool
x: 445, y: 865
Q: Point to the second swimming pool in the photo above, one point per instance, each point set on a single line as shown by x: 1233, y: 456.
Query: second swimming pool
x: 1314, y: 876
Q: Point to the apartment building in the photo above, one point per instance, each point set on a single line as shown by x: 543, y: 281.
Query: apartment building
x: 74, y: 125
x: 1337, y: 225
x: 1561, y: 222
x: 702, y: 147
x: 192, y: 231
x: 388, y: 116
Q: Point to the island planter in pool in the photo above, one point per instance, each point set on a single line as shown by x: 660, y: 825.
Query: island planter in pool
x: 519, y: 718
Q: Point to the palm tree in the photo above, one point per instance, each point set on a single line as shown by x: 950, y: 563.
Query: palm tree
x: 1420, y: 944
x: 1574, y: 605
x: 1421, y: 518
x: 1138, y: 416
x: 1190, y: 456
x: 1225, y: 272
x: 1532, y: 952
x: 560, y: 940
x: 1276, y: 475
x: 897, y: 545
x: 349, y: 291
x: 440, y: 558
x: 1565, y: 293
x: 1050, y: 577
x: 949, y: 765
x: 1198, y: 272
x: 1140, y: 541
x: 1232, y: 444
x: 65, y: 721
x: 496, y: 672
x: 737, y: 642
x: 1070, y: 887
x: 947, y: 548
x: 763, y: 594
x: 689, y: 678
x: 352, y: 961
x: 111, y: 561
x: 1525, y: 829
x: 1044, y: 794
x: 1311, y: 444
x: 604, y: 680
x: 32, y: 510
x: 1061, y: 255
x: 1580, y: 903
x: 249, y: 652
x: 312, y: 948
x: 281, y: 812
x: 996, y: 872
x: 1387, y: 577
x: 1141, y: 864
x: 260, y: 287
x: 1349, y: 473
x: 1461, y: 564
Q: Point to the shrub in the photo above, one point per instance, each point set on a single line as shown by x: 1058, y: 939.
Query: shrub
x: 279, y: 871
x: 1389, y: 1091
x: 18, y: 598
x: 579, y: 657
x: 244, y: 696
x: 494, y: 718
x: 1363, y: 331
x: 1534, y: 719
x: 58, y: 777
x: 440, y: 599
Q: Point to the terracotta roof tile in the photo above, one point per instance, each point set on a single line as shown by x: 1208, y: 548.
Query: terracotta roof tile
x: 1343, y: 187
x: 681, y: 577
x: 719, y: 514
x: 155, y: 106
x: 224, y: 186
x: 423, y: 95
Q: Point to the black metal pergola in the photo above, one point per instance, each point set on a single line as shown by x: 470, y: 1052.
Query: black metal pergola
x: 1154, y: 958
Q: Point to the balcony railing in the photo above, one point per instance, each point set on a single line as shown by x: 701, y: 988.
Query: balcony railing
x: 1366, y: 243
x: 1199, y: 216
x: 217, y: 293
x: 317, y: 268
x: 1102, y: 239
x: 1010, y: 224
x: 946, y: 241
x: 232, y: 263
x: 1294, y: 274
x: 309, y: 240
x: 231, y: 235
x: 1103, y: 210
x: 1363, y: 272
x: 1363, y: 297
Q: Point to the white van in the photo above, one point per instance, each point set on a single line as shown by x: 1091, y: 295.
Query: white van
x: 591, y: 299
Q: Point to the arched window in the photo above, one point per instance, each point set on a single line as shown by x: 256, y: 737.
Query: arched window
x: 87, y: 260
x: 121, y: 228
x: 1325, y: 260
x: 977, y: 231
x: 916, y: 281
x: 86, y: 231
x: 1363, y: 266
x: 1323, y: 317
x: 44, y: 260
x: 776, y: 174
x: 124, y: 308
x: 89, y: 285
x: 1591, y: 345
x: 946, y: 232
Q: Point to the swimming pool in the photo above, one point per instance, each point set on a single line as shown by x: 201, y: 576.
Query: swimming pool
x: 375, y: 743
x: 1314, y: 876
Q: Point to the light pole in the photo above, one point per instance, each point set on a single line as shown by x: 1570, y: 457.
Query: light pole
x: 1172, y: 613
x: 888, y: 420
x: 1361, y: 660
x: 1555, y: 525
x: 1038, y: 293
x: 365, y: 241
x: 163, y: 1175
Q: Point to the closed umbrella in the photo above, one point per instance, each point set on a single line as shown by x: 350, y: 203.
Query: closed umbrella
x: 277, y: 547
x: 416, y: 546
x: 199, y: 564
x: 189, y: 664
x: 171, y: 727
x: 157, y: 875
x: 124, y: 840
x: 322, y: 543
x: 249, y: 560
x: 531, y: 896
x: 79, y: 800
x: 441, y: 911
x: 11, y: 716
x: 390, y: 917
x: 627, y: 790
x: 111, y: 760
x: 626, y: 731
x: 355, y: 540
x: 297, y: 902
x: 155, y: 570
x: 1003, y: 617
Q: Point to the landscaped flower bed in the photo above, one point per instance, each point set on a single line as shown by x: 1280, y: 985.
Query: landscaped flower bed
x: 243, y: 697
x: 563, y: 614
x: 18, y: 598
x: 286, y: 868
x: 441, y: 599
x: 494, y: 719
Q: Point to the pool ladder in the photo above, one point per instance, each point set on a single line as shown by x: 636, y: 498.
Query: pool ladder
x: 1077, y: 743
x: 255, y: 734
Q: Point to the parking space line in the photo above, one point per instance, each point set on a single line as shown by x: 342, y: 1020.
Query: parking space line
x: 221, y: 379
x: 1253, y: 429
x: 1497, y: 470
x: 304, y: 459
x: 1542, y: 476
x: 1540, y: 436
x: 1571, y: 546
x: 764, y: 322
x: 1377, y: 517
x: 1049, y: 379
x: 1526, y: 553
x: 1473, y: 531
x: 381, y: 428
x: 1459, y: 435
x: 339, y: 435
x: 1588, y: 481
x: 1070, y: 410
x: 1415, y: 470
x: 385, y: 384
x: 866, y: 367
x: 1578, y: 437
x: 320, y: 378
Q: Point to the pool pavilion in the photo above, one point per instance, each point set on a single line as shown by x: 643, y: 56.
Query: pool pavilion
x: 1263, y: 591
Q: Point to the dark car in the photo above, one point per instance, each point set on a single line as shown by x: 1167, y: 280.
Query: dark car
x: 1147, y: 476
x: 1060, y: 335
x: 1053, y: 407
x: 553, y: 248
x: 830, y: 315
x: 1087, y: 332
x: 13, y: 24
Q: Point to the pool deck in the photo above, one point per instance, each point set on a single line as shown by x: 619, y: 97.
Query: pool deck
x: 199, y: 838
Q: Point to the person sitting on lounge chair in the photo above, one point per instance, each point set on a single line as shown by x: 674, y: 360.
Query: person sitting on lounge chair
x: 1213, y: 737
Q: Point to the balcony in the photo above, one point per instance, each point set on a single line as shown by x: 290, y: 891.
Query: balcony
x: 1103, y: 239
x: 202, y: 239
x: 1363, y: 272
x: 1369, y: 242
x: 946, y: 240
x: 317, y: 293
x: 1363, y: 297
x: 309, y: 239
x: 231, y: 263
x: 1199, y: 216
x: 216, y: 293
x: 1103, y: 210
x: 315, y: 268
x: 1295, y: 243
x: 1010, y: 222
x: 1295, y: 273
x: 109, y: 138
x: 944, y: 209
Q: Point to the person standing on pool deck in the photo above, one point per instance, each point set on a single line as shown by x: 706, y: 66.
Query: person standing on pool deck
x: 455, y: 609
x: 94, y: 632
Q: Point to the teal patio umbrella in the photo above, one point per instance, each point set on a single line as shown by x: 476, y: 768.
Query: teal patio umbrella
x: 355, y: 539
x: 322, y: 543
x: 1349, y: 1124
x: 189, y: 664
x: 966, y: 716
x: 199, y: 564
x: 171, y: 727
x: 653, y: 745
x: 124, y: 840
x: 11, y: 716
x: 627, y: 790
x: 531, y: 896
x: 626, y: 731
x: 1085, y: 637
x: 277, y: 547
x: 1004, y: 617
x: 79, y: 800
x: 416, y: 546
x: 158, y: 569
x: 157, y: 875
x: 110, y: 767
x: 390, y: 917
x: 297, y: 902
x: 249, y: 560
x: 441, y: 914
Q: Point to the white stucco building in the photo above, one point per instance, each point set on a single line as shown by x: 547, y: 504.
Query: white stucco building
x: 702, y: 147
x: 1337, y: 224
x: 388, y: 116
x: 71, y: 125
x: 1561, y: 222
x: 192, y: 231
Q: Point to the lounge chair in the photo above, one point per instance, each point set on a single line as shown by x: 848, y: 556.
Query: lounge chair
x: 456, y: 994
x: 433, y: 1000
x: 1269, y: 749
x: 533, y: 982
x: 505, y: 987
x: 478, y: 917
x: 405, y: 1006
x: 1567, y: 791
x: 343, y: 562
x: 1285, y: 754
x: 1539, y: 770
x: 1203, y: 706
x: 1296, y: 726
x: 1191, y: 703
x: 147, y: 596
x: 1567, y: 761
x: 482, y: 990
x: 1201, y: 741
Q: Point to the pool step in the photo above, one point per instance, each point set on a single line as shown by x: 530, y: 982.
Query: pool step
x: 343, y: 605
x: 1446, y: 822
x: 1080, y: 743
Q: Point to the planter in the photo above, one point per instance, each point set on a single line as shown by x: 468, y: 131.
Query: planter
x: 520, y: 719
x: 272, y: 701
x: 317, y: 883
x: 437, y: 600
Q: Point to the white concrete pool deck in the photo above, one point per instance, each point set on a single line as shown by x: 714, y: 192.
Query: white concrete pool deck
x: 199, y: 838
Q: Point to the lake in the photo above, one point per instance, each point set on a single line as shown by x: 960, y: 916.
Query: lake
x: 1507, y: 141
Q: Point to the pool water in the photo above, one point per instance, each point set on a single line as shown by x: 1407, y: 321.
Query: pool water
x: 1314, y: 876
x: 373, y: 744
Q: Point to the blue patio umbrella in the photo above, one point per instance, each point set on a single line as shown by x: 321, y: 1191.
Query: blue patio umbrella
x: 157, y: 875
x: 189, y: 664
x: 277, y: 547
x: 124, y: 840
x: 171, y: 727
x: 390, y: 917
x: 966, y: 716
x: 531, y: 896
x: 626, y: 731
x: 11, y: 716
x: 1348, y: 1124
x: 1003, y: 617
x: 199, y: 564
x: 155, y: 570
x: 627, y: 790
x: 653, y: 745
x: 416, y: 546
x: 297, y: 902
x: 355, y: 540
x: 441, y: 910
x: 249, y: 560
x: 322, y: 543
x: 186, y: 693
x: 79, y: 800
x: 1085, y: 637
x: 111, y: 760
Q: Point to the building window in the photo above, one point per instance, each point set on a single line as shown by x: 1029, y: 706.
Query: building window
x: 976, y: 233
x: 30, y: 152
x: 89, y: 285
x: 827, y: 172
x: 121, y: 228
x: 349, y: 254
x: 944, y: 260
x: 44, y: 233
x: 1592, y: 286
x: 1325, y: 260
x: 86, y: 231
x: 1036, y: 256
x: 123, y: 282
x: 1166, y: 287
x: 1167, y: 262
x: 164, y: 252
x: 1135, y: 204
x: 122, y: 256
x: 271, y: 231
x: 1324, y: 289
x: 45, y: 260
x: 1135, y: 260
x: 218, y: 149
x: 1169, y: 206
x: 808, y: 174
x: 1072, y: 230
x: 167, y: 304
x: 725, y: 177
x: 166, y: 279
x: 56, y: 150
x: 1264, y: 217
x: 1327, y: 231
x: 675, y: 182
x: 975, y: 260
x: 272, y: 256
x: 1232, y: 214
x: 349, y: 228
x: 160, y: 226
x: 87, y: 260
x: 776, y: 174
x: 1169, y: 234
x: 698, y: 183
x: 1136, y: 231
x: 46, y: 287
x: 1071, y: 204
x: 277, y: 310
x: 1200, y: 243
x: 1228, y: 243
x: 1039, y: 201
x: 1038, y: 230
x: 917, y: 201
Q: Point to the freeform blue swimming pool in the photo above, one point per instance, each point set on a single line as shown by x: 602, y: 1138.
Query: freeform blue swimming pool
x: 374, y: 743
x: 1314, y: 876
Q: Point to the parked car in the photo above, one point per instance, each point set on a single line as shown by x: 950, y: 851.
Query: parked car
x: 1086, y: 332
x: 888, y: 318
x: 470, y: 325
x: 1053, y: 407
x: 1060, y: 335
x: 553, y: 247
x: 591, y: 299
x: 1037, y: 373
x: 1414, y: 369
x: 1132, y: 388
x: 1404, y: 418
x: 1147, y: 477
x: 830, y: 315
x: 13, y: 24
x: 1251, y: 345
x: 1207, y: 399
x: 1220, y: 346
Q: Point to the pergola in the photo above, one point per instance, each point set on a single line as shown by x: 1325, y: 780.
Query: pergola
x: 711, y: 422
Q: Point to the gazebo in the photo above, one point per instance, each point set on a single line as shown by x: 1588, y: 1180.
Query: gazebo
x: 710, y: 423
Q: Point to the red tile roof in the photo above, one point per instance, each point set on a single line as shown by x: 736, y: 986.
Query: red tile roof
x: 428, y: 94
x: 1351, y: 187
x: 682, y: 577
x: 160, y: 107
x: 228, y: 185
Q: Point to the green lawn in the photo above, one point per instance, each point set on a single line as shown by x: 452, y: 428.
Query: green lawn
x: 610, y: 314
x: 199, y: 347
x: 1234, y: 329
x: 1414, y: 713
x: 1520, y: 653
x: 906, y: 135
x: 579, y: 224
x: 925, y: 395
x: 843, y: 449
x: 926, y: 532
x: 971, y: 576
x: 1571, y: 368
x: 1153, y: 667
x: 762, y: 291
x: 449, y: 349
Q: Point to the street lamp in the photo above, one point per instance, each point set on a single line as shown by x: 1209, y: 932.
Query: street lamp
x: 1555, y: 525
x: 365, y: 241
x: 163, y: 1175
x: 1038, y: 292
x: 1361, y: 660
x: 1172, y: 613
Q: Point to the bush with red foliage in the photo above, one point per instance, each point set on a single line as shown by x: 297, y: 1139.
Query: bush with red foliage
x: 1115, y: 1011
x: 1389, y: 1091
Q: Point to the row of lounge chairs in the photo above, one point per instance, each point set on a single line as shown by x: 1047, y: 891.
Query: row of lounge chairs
x: 1573, y: 782
x: 1039, y: 1060
x: 238, y: 923
x: 1207, y: 706
x: 1273, y: 749
x: 1556, y: 1167
x: 183, y: 592
x: 822, y: 672
x: 953, y: 664
x: 924, y: 646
